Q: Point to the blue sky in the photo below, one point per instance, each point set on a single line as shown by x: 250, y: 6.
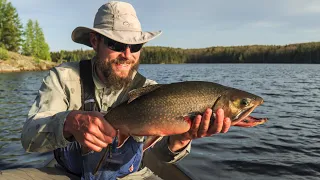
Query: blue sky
x: 186, y: 23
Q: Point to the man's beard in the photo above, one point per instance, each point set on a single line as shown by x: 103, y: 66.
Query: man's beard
x: 111, y: 79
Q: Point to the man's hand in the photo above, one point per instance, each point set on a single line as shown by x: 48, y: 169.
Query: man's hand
x: 201, y: 128
x: 90, y: 129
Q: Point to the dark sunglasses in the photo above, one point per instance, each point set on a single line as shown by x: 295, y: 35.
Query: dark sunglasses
x: 120, y: 47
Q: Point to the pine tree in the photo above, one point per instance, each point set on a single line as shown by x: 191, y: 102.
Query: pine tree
x: 10, y: 27
x: 41, y: 49
x: 2, y: 8
x: 27, y: 46
x: 35, y: 43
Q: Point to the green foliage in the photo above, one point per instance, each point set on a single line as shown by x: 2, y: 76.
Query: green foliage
x: 67, y: 56
x: 27, y: 46
x: 42, y: 50
x: 35, y: 43
x: 293, y: 53
x: 36, y: 59
x: 4, y: 54
x: 10, y: 27
x: 11, y: 34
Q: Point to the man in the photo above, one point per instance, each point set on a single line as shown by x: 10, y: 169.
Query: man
x: 60, y: 121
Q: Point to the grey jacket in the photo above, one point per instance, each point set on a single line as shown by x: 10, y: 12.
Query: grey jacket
x: 59, y: 94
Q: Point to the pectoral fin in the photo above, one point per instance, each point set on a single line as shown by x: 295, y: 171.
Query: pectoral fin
x: 151, y: 141
x: 122, y: 138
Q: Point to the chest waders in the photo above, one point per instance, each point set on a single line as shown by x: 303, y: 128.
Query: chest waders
x: 120, y: 162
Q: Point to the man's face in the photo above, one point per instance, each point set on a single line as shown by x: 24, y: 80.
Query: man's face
x: 116, y: 67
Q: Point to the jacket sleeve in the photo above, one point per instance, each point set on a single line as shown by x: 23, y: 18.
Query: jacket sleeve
x: 43, y: 129
x: 161, y: 152
x: 160, y: 159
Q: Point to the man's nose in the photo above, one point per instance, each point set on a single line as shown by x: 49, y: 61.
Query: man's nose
x: 127, y: 53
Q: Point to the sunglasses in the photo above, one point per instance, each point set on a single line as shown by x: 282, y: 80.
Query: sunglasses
x: 120, y: 47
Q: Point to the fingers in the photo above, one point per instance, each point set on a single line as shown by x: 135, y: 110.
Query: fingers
x: 217, y: 123
x: 226, y: 125
x: 92, y: 146
x: 107, y: 132
x: 201, y: 124
x: 205, y: 123
x: 92, y: 141
x: 91, y: 130
x: 221, y: 124
x: 193, y: 132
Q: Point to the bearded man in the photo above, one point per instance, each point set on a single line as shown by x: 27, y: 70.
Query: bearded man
x: 67, y: 115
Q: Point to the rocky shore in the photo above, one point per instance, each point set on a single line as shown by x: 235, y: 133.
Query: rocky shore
x: 18, y: 63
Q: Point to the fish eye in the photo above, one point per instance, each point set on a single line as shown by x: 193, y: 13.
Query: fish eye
x: 245, y: 102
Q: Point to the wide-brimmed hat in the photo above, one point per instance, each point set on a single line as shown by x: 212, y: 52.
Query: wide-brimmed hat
x: 118, y: 21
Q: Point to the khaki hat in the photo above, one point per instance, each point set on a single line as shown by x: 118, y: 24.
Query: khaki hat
x: 117, y: 21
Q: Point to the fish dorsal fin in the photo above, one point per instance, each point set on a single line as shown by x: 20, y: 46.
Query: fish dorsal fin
x: 134, y: 94
x: 151, y: 141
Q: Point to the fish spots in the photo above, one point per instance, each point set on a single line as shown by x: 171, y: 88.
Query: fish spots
x: 46, y: 102
x: 72, y: 90
x: 37, y: 126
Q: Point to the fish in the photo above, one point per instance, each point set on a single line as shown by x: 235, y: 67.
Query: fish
x: 168, y: 109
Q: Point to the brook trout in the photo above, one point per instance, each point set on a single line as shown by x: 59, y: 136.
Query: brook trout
x: 168, y: 109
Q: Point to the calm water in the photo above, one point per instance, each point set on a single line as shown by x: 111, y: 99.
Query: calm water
x: 286, y: 147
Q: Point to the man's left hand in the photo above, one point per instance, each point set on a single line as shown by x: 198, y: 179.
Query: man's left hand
x: 201, y: 128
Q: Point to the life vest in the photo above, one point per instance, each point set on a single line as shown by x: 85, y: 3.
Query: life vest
x: 122, y: 161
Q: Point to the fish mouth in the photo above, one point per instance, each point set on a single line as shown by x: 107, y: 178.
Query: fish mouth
x: 244, y: 120
x: 250, y: 121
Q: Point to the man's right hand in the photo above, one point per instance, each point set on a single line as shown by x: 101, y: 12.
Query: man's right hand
x: 90, y: 129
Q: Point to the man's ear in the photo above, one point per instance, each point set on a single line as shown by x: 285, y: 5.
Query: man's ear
x: 94, y: 40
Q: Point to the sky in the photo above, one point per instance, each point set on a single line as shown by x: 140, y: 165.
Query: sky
x: 186, y: 23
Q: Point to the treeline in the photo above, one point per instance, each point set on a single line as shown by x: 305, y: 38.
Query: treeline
x: 293, y: 53
x: 68, y: 56
x: 29, y: 41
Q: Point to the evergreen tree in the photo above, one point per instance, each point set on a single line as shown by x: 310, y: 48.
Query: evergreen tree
x: 2, y: 8
x: 41, y: 49
x: 28, y: 45
x: 10, y: 27
x: 35, y: 43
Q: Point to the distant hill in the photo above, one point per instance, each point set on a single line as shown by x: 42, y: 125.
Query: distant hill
x: 17, y: 62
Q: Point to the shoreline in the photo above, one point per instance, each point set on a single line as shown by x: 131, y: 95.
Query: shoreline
x: 7, y: 68
x: 12, y: 69
x: 19, y: 63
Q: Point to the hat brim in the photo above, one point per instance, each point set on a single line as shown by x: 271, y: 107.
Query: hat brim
x: 81, y: 35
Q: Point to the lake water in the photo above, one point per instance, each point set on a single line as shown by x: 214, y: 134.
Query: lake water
x: 286, y: 147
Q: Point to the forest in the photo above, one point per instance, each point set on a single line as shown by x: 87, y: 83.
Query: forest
x: 29, y: 40
x: 293, y: 53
